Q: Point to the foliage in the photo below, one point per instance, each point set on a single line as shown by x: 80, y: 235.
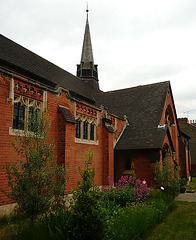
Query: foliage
x: 133, y: 222
x: 33, y: 178
x: 128, y: 211
x: 167, y: 176
x: 127, y: 190
x: 87, y: 216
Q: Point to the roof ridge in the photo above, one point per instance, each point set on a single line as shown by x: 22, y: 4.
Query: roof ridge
x: 139, y: 86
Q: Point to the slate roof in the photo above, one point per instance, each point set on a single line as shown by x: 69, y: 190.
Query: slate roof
x: 143, y: 105
x: 67, y: 114
x: 32, y: 65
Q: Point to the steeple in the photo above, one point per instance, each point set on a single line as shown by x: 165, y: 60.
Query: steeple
x: 87, y: 70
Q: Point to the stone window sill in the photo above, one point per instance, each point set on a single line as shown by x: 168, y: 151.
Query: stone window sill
x: 84, y: 141
x: 16, y: 132
x: 20, y: 133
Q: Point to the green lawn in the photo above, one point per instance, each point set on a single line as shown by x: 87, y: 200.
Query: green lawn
x: 179, y: 225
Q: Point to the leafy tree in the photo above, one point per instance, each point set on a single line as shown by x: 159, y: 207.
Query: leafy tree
x: 33, y: 178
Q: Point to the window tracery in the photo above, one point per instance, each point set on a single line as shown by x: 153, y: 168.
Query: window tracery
x: 24, y: 97
x: 23, y: 107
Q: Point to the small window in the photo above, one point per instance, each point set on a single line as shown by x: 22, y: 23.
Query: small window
x: 92, y: 131
x: 78, y: 129
x: 85, y: 130
x: 127, y: 163
x: 18, y: 116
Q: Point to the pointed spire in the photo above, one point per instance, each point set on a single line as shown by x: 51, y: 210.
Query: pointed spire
x: 87, y: 51
x: 87, y: 69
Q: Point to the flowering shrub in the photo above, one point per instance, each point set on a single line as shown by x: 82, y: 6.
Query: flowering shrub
x: 127, y: 190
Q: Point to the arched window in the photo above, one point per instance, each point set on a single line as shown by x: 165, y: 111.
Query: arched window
x: 165, y: 151
x: 169, y: 118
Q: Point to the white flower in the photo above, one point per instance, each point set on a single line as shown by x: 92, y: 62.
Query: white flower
x: 162, y: 188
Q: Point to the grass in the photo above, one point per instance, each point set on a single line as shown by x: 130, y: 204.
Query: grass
x: 9, y: 226
x: 179, y: 225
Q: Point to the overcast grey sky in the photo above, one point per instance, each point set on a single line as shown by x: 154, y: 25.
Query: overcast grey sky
x: 135, y: 42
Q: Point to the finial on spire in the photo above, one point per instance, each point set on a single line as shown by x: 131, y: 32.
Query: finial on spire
x: 87, y: 12
x: 87, y: 8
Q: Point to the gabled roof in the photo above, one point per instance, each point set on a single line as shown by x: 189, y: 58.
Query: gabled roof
x: 143, y: 105
x: 22, y: 60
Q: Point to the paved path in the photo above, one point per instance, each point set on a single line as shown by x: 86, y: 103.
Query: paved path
x: 189, y: 197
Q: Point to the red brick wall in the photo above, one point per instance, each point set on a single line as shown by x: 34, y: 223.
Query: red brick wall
x: 6, y: 150
x: 67, y: 151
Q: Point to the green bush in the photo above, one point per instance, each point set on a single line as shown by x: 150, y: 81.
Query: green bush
x: 167, y: 176
x: 33, y: 178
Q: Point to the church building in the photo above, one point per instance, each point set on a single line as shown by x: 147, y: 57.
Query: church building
x: 134, y: 125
